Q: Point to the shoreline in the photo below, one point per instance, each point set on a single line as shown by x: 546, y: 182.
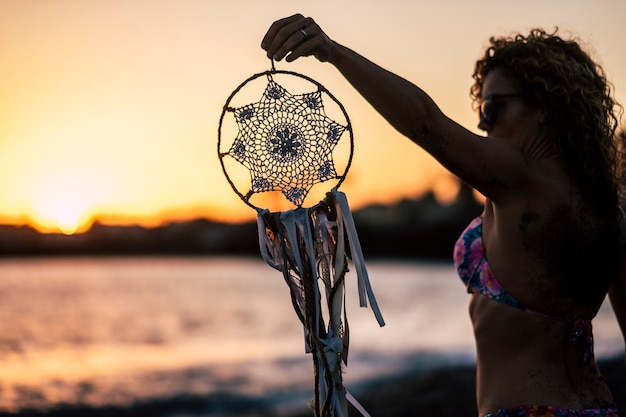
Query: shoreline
x: 443, y: 391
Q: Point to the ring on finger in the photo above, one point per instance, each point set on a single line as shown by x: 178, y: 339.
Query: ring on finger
x: 306, y: 35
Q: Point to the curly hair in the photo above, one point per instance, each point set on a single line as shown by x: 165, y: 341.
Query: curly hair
x: 561, y: 77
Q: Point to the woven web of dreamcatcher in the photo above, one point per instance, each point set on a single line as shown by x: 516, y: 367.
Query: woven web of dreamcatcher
x: 286, y: 142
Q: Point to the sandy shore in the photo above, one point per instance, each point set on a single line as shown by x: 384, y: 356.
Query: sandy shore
x: 449, y: 392
x: 441, y: 392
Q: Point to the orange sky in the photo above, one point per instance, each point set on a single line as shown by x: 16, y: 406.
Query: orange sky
x: 110, y: 108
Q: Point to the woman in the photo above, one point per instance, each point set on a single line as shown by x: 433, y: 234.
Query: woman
x: 551, y: 241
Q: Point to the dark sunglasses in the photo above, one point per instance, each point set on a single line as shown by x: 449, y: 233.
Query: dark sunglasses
x: 488, y: 109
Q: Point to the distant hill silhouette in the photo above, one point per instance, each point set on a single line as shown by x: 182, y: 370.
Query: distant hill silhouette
x: 421, y: 228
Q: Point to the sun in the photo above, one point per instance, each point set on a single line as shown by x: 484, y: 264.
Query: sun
x: 60, y: 208
x: 65, y: 218
x: 69, y: 221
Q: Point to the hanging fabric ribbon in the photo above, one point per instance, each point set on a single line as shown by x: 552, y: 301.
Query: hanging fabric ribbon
x: 312, y: 247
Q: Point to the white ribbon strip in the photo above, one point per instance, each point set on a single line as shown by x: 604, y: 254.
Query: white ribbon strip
x: 276, y: 261
x: 356, y: 405
x: 364, y: 286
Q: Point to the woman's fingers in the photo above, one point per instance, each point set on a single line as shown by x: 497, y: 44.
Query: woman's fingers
x: 293, y: 37
x: 272, y: 32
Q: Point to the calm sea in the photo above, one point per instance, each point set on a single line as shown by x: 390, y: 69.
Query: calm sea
x: 102, y: 332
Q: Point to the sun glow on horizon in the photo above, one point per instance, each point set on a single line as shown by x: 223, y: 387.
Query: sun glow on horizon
x: 60, y: 206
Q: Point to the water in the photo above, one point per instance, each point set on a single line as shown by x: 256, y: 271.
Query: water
x: 101, y: 332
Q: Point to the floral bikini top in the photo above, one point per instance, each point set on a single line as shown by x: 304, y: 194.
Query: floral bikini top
x: 471, y: 263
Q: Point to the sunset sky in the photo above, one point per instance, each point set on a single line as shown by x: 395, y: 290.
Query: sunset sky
x: 109, y: 109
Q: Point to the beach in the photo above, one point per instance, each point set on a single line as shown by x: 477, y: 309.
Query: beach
x: 449, y: 392
x: 441, y: 392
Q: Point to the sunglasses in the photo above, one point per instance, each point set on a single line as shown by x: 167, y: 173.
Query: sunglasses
x: 488, y: 109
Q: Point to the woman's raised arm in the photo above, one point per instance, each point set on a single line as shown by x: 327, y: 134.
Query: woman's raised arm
x: 405, y: 106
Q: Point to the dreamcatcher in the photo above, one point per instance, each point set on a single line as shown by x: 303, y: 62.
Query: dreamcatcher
x: 285, y: 145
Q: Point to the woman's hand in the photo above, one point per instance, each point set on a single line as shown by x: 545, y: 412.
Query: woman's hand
x: 294, y: 37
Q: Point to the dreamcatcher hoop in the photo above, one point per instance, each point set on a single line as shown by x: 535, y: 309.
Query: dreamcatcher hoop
x: 310, y: 246
x: 240, y: 112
